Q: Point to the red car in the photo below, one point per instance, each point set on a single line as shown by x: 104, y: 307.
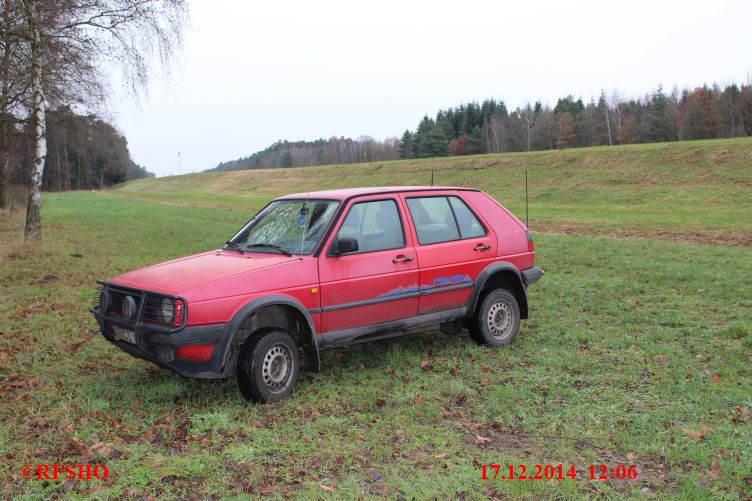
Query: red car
x: 322, y: 270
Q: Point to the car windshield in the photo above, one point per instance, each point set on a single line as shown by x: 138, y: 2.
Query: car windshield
x: 285, y: 227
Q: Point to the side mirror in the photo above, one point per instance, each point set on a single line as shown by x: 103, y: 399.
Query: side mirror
x: 346, y: 244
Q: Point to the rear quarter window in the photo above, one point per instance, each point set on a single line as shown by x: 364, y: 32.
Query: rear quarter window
x: 509, y: 230
x: 468, y: 223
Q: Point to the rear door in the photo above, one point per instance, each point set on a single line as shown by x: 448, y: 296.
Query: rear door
x: 378, y: 282
x: 453, y: 246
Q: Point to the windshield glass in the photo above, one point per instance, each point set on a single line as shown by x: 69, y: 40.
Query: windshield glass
x: 285, y: 227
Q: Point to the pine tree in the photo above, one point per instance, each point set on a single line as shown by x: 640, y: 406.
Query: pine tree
x: 407, y: 145
x: 436, y: 144
x: 475, y: 144
x: 422, y: 147
x: 656, y: 123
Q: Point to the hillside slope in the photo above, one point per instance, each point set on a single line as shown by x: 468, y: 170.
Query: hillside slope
x: 690, y: 191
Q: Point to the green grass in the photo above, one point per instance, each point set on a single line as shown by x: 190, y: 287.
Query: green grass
x: 629, y: 344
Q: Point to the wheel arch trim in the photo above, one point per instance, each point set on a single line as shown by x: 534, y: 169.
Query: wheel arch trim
x: 492, y: 270
x: 258, y: 304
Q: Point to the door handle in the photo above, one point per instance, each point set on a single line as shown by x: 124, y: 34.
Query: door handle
x: 481, y: 247
x: 402, y: 259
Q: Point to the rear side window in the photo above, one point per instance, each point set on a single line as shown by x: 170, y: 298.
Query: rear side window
x: 376, y: 225
x: 443, y: 219
x: 469, y: 225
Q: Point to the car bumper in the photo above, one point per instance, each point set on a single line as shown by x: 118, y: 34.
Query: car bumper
x: 160, y: 347
x: 531, y: 275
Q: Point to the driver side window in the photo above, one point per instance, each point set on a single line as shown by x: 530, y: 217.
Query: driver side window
x: 376, y: 225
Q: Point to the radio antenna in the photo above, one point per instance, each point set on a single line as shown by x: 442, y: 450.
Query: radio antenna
x: 431, y: 177
x: 301, y: 222
x: 527, y: 216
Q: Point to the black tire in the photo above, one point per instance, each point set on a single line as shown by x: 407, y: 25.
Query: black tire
x: 497, y: 320
x: 268, y: 367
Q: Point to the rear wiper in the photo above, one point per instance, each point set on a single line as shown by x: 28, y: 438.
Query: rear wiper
x: 272, y: 246
x: 234, y: 245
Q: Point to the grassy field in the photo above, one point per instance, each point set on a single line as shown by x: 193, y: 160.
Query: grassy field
x: 637, y: 351
x: 695, y: 191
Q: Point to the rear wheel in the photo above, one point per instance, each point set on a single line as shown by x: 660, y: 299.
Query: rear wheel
x: 268, y: 367
x: 497, y: 320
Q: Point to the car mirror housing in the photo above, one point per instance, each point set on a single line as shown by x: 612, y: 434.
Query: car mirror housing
x: 346, y: 245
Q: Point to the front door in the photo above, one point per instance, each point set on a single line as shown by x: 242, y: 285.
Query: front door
x: 376, y: 283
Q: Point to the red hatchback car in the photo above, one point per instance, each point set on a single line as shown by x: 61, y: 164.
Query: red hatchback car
x: 322, y: 270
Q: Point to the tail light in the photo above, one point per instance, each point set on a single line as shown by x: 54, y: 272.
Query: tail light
x: 530, y: 244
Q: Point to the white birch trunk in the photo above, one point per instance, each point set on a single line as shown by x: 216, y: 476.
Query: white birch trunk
x: 608, y: 127
x: 33, y: 229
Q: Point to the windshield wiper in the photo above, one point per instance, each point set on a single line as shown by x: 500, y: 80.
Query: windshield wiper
x: 272, y: 246
x: 233, y: 245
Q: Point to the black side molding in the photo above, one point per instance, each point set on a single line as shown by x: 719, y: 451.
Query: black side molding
x: 385, y: 330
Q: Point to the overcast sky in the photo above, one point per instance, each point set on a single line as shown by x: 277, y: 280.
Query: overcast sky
x: 251, y: 73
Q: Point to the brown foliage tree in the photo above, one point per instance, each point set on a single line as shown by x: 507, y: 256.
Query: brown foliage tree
x: 567, y: 137
x: 458, y: 145
x: 628, y: 130
x: 703, y: 117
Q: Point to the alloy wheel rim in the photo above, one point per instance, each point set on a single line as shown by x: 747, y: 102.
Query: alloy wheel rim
x: 277, y: 368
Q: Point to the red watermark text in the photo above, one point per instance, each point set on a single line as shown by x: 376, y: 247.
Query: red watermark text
x: 65, y: 471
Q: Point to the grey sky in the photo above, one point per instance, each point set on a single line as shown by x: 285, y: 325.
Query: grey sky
x: 254, y: 72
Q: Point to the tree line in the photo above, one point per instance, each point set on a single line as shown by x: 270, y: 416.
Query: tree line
x: 319, y: 152
x: 707, y: 112
x: 83, y: 152
x: 52, y: 57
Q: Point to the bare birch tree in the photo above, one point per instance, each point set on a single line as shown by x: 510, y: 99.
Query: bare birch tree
x: 33, y: 226
x: 528, y: 116
x: 85, y: 35
x: 605, y: 115
x: 616, y: 105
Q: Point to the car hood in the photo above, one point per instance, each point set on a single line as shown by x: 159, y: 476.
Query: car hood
x: 179, y: 276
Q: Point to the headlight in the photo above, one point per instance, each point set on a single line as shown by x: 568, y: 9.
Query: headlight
x: 167, y: 311
x: 104, y: 301
x: 129, y: 307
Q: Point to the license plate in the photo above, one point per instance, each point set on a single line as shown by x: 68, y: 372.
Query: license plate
x: 124, y: 334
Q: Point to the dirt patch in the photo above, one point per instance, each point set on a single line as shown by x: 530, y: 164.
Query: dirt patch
x: 693, y: 236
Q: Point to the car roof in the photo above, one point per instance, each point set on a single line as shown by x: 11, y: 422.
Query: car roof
x: 346, y: 193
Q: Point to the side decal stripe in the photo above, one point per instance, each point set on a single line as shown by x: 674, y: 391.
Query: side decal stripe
x: 395, y: 296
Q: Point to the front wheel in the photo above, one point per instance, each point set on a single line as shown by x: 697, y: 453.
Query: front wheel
x: 497, y: 321
x: 268, y: 367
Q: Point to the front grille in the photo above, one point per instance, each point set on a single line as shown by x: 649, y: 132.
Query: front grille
x: 151, y: 311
